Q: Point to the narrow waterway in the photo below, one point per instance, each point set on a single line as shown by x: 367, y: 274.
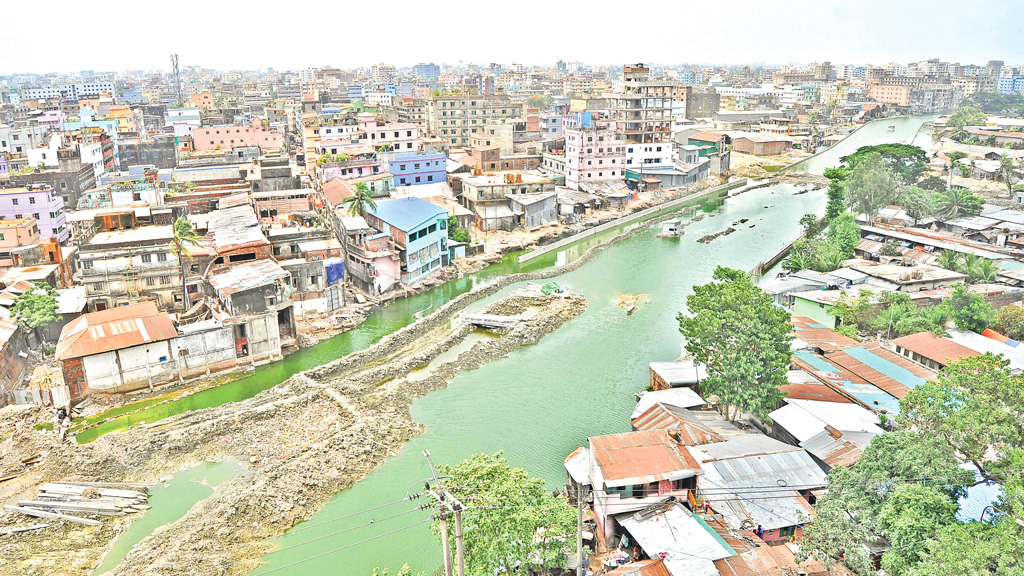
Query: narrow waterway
x: 542, y: 401
x: 905, y: 131
x: 169, y: 502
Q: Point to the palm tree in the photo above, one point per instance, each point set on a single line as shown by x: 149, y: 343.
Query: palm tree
x: 360, y: 201
x: 796, y: 261
x: 984, y: 271
x: 954, y: 202
x: 949, y: 260
x: 970, y: 264
x: 185, y: 238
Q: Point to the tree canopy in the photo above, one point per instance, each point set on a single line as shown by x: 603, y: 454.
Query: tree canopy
x: 743, y: 340
x: 905, y: 486
x: 969, y: 311
x: 36, y: 307
x: 871, y: 185
x: 511, y: 520
x: 967, y: 115
x: 906, y: 161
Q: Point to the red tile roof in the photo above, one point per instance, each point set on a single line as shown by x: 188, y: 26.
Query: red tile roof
x: 934, y: 348
x: 642, y: 457
x: 114, y: 329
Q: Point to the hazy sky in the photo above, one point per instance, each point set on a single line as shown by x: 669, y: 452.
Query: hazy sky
x: 63, y: 36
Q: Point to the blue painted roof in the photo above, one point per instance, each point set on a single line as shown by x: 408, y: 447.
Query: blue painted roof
x: 407, y: 213
x: 894, y: 371
x: 978, y: 497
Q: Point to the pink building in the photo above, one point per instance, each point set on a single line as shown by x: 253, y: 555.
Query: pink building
x: 394, y: 137
x: 227, y: 137
x: 344, y: 160
x: 591, y: 150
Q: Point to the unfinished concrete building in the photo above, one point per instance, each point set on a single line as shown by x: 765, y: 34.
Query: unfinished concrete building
x: 643, y: 115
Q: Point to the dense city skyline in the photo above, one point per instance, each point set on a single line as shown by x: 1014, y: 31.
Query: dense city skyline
x: 741, y: 32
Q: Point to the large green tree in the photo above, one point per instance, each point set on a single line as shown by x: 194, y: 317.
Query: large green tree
x: 512, y: 524
x: 844, y: 234
x: 742, y: 339
x: 976, y: 407
x: 966, y: 116
x: 906, y: 161
x: 912, y: 513
x: 1010, y: 170
x: 1009, y: 321
x: 837, y: 201
x: 36, y: 308
x: 969, y: 311
x: 871, y: 186
x: 918, y: 203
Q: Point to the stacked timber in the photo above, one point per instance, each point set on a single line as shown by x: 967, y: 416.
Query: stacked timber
x: 69, y: 501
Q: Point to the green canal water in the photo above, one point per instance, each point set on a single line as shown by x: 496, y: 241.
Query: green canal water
x: 170, y: 502
x: 905, y: 131
x: 541, y: 402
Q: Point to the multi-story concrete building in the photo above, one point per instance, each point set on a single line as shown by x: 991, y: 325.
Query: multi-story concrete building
x: 386, y: 137
x: 643, y: 115
x: 226, y: 137
x: 886, y: 94
x: 40, y: 203
x: 426, y: 71
x: 488, y: 197
x: 592, y: 151
x: 419, y: 230
x: 14, y: 234
x: 413, y: 111
x: 413, y: 168
x: 968, y: 85
x: 69, y: 91
x: 496, y: 133
x: 1010, y: 85
x: 455, y: 118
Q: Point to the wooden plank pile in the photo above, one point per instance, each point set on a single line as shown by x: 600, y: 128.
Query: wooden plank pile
x: 69, y: 501
x: 15, y: 469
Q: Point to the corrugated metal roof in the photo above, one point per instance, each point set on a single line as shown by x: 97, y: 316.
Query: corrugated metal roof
x: 235, y: 227
x: 661, y: 417
x: 689, y: 546
x: 642, y: 568
x: 940, y: 350
x: 114, y: 329
x: 806, y: 418
x: 407, y: 213
x: 641, y: 458
x: 736, y: 481
x: 577, y: 465
x: 246, y: 275
x: 677, y: 397
x: 681, y: 373
x: 838, y: 448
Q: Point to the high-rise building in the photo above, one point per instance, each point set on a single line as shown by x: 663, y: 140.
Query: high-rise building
x: 643, y: 117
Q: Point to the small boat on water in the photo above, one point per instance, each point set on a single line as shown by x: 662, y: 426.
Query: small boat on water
x: 671, y: 228
x: 892, y: 128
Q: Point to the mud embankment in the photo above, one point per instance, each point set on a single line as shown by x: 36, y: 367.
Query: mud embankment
x: 315, y: 434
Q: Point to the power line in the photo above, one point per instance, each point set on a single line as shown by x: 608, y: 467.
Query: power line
x: 332, y: 551
x: 333, y: 534
x: 304, y: 527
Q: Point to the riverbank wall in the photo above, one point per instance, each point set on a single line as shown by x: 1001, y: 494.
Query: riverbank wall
x: 634, y: 217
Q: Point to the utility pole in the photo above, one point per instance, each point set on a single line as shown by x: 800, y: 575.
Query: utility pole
x: 580, y: 491
x: 452, y: 504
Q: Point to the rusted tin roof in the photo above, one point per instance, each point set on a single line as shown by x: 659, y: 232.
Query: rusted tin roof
x: 641, y: 457
x: 662, y: 417
x: 114, y: 329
